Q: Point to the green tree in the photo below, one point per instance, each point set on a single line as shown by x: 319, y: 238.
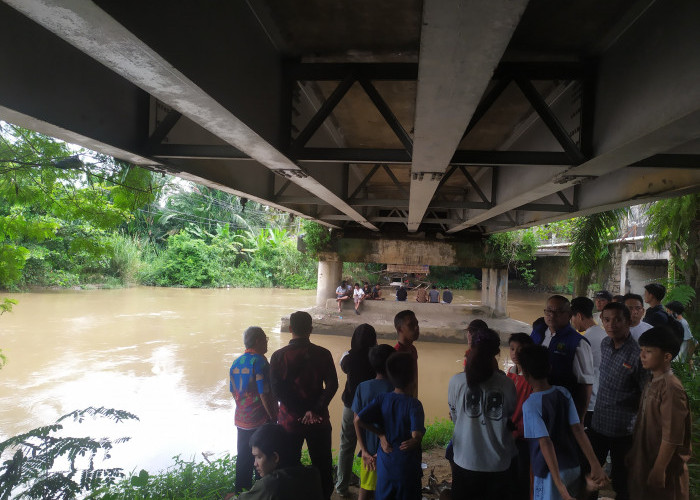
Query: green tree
x: 674, y: 224
x: 590, y: 248
x: 515, y: 250
x: 53, y: 192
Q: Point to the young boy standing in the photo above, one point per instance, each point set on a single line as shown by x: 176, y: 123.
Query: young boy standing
x: 520, y: 487
x: 551, y: 421
x: 658, y: 460
x: 407, y: 332
x: 364, y: 395
x: 398, y: 419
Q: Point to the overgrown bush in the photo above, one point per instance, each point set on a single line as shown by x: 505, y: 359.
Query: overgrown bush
x: 689, y: 376
x: 48, y: 464
x: 453, y: 277
x: 184, y: 479
x: 317, y: 238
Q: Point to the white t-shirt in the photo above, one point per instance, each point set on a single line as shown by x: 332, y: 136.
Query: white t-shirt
x: 340, y: 291
x: 482, y: 440
x: 358, y: 293
x: 583, y: 360
x: 595, y: 335
x: 637, y: 331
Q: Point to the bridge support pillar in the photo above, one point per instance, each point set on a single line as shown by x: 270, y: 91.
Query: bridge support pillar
x: 330, y: 270
x: 494, y: 290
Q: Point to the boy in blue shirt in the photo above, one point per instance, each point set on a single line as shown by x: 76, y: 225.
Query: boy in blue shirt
x: 399, y: 421
x: 552, y: 425
x: 364, y: 395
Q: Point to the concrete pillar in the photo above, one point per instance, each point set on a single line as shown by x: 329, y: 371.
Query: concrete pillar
x: 329, y: 277
x: 499, y: 278
x: 494, y: 290
x: 485, y: 282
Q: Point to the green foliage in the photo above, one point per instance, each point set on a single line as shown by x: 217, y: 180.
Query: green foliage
x: 317, y: 238
x: 453, y: 277
x: 359, y: 272
x: 675, y: 224
x: 590, y: 244
x: 560, y: 231
x: 689, y: 375
x: 515, y: 250
x: 682, y: 293
x: 184, y: 479
x: 33, y: 471
x: 58, y: 201
x: 438, y: 434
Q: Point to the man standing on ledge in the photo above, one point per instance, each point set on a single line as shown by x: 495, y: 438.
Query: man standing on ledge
x: 304, y: 381
x: 569, y: 352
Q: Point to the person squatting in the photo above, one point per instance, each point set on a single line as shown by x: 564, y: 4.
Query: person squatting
x: 581, y: 392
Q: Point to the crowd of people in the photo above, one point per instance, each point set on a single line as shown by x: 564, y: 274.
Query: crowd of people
x: 580, y: 391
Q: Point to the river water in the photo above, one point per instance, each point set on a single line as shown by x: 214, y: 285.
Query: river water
x: 163, y: 354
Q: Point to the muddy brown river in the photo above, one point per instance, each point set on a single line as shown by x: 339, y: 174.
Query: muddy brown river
x: 163, y: 354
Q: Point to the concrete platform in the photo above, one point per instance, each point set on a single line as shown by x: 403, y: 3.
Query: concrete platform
x: 438, y: 322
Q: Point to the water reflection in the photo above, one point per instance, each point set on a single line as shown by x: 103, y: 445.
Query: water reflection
x: 164, y: 354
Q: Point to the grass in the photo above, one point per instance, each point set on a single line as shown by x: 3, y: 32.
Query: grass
x: 187, y: 479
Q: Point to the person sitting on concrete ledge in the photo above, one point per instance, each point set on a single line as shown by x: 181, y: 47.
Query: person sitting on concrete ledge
x: 281, y: 476
x: 447, y: 296
x: 377, y: 292
x: 434, y: 295
x: 401, y: 294
x: 341, y: 295
x: 358, y: 296
x: 421, y: 295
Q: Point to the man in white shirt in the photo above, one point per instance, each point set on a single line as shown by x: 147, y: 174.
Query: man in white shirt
x: 635, y: 303
x: 582, y: 320
x: 602, y: 299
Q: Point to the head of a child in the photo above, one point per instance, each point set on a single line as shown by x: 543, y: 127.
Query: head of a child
x: 363, y: 338
x: 357, y: 286
x: 406, y: 325
x: 658, y: 346
x: 516, y: 342
x: 401, y: 370
x: 378, y: 356
x: 271, y: 449
x: 475, y: 326
x: 675, y: 308
x: 481, y: 358
x: 300, y: 324
x: 534, y: 361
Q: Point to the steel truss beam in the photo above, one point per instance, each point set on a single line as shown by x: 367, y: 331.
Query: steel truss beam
x: 318, y: 72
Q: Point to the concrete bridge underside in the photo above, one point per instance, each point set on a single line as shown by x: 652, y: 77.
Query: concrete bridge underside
x: 445, y: 119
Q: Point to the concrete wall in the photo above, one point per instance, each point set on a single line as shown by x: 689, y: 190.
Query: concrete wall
x: 640, y: 273
x: 412, y: 252
x: 552, y: 271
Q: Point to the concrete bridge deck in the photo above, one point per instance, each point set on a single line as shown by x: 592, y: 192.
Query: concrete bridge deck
x: 443, y: 119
